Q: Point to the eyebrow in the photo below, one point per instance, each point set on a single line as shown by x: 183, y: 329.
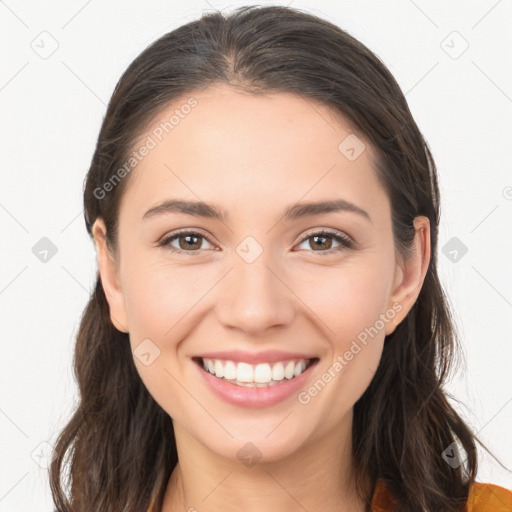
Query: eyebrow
x: 292, y: 212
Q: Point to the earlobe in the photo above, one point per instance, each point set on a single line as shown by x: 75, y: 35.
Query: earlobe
x: 109, y: 273
x: 410, y: 274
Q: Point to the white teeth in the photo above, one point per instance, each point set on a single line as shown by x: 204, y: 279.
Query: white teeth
x: 244, y: 372
x: 230, y: 370
x: 289, y: 370
x: 299, y: 368
x: 219, y: 369
x: 278, y: 371
x: 260, y: 375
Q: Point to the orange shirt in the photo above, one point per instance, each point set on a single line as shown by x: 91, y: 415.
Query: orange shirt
x: 482, y: 498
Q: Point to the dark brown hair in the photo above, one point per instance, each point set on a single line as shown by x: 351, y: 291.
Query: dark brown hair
x: 119, y: 448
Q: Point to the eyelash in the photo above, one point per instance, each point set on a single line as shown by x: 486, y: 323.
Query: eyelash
x: 345, y: 241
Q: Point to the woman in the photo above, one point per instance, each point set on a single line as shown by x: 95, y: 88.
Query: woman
x: 268, y: 330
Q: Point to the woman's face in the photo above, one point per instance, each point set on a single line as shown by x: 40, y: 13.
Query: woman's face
x: 257, y: 281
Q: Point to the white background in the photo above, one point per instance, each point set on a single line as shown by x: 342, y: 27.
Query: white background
x: 51, y: 110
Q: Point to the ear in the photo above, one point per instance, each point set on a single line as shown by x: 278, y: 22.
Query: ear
x: 109, y: 273
x: 410, y: 273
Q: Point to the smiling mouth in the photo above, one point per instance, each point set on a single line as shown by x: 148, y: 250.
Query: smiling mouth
x: 261, y: 375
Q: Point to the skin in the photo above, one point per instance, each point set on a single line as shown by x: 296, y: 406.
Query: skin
x: 253, y: 156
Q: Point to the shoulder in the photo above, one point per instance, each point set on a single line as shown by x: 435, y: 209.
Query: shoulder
x: 485, y: 497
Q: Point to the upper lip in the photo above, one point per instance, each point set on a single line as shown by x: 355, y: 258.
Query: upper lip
x: 268, y: 356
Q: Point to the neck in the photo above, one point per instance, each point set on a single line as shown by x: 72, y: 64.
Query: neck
x: 317, y: 477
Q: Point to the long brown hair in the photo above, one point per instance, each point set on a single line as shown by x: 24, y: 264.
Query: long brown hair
x: 118, y: 450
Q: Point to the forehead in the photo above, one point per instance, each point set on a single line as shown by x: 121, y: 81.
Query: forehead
x: 250, y: 152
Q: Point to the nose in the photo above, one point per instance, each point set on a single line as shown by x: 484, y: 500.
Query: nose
x: 255, y: 297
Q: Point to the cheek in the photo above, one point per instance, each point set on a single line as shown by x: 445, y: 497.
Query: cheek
x: 348, y: 298
x: 161, y: 298
x: 160, y: 301
x: 351, y: 305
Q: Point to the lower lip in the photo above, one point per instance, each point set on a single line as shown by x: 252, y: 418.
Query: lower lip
x: 255, y: 397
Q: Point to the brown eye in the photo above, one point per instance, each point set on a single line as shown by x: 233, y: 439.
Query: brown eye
x: 322, y: 242
x: 188, y: 241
